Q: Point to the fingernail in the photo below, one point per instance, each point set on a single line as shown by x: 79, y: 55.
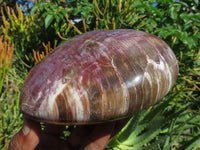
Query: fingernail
x: 25, y: 129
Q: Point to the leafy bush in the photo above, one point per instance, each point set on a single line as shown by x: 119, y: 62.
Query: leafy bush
x: 176, y: 22
x: 27, y: 32
x: 10, y: 115
x: 6, y: 52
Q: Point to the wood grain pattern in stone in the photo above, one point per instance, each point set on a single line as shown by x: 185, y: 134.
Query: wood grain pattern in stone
x: 99, y: 76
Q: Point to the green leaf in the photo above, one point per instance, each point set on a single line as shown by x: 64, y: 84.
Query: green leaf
x: 194, y: 143
x: 48, y: 20
x: 173, y: 12
x: 63, y: 11
x: 34, y: 9
x: 196, y: 2
x: 195, y: 17
x: 188, y: 41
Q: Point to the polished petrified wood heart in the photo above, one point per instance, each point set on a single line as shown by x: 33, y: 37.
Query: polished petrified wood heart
x: 99, y: 76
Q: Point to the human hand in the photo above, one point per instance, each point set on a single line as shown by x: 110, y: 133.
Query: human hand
x: 83, y: 137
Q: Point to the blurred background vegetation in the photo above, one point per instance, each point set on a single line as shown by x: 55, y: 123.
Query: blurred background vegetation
x: 32, y: 29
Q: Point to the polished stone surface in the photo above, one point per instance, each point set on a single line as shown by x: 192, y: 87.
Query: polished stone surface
x: 99, y: 76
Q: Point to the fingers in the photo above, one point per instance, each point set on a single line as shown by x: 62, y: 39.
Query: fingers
x: 85, y: 137
x: 99, y: 137
x: 103, y: 134
x: 27, y: 138
x: 91, y: 137
x: 79, y: 135
x: 50, y: 138
x: 95, y: 137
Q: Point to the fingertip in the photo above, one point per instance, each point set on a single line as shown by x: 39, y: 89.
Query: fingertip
x: 27, y: 138
x: 103, y: 134
x: 99, y: 137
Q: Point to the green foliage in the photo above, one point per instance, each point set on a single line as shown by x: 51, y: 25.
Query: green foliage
x: 27, y: 32
x: 11, y: 4
x: 10, y: 115
x: 172, y: 124
x: 163, y: 126
x: 54, y: 13
x: 176, y: 22
x: 117, y: 14
x: 19, y: 29
x: 6, y: 52
x: 83, y: 16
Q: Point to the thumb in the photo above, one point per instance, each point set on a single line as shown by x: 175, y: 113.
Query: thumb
x: 27, y: 138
